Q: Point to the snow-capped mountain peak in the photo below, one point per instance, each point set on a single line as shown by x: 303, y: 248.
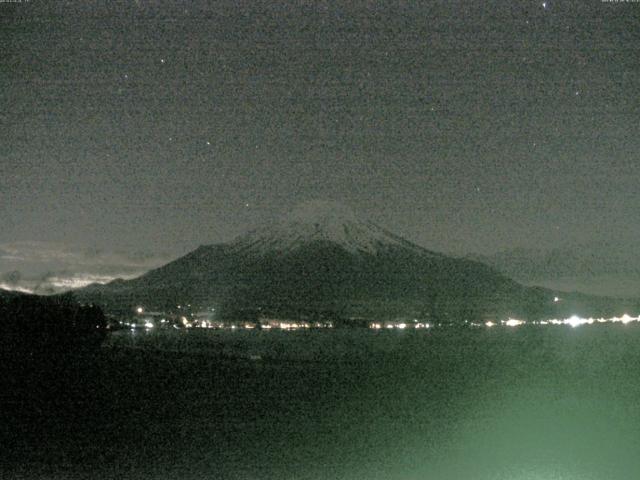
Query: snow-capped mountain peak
x: 321, y: 221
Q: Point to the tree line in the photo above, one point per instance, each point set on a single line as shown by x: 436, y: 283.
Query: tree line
x: 34, y: 325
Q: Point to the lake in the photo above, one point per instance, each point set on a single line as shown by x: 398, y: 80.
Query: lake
x: 525, y: 403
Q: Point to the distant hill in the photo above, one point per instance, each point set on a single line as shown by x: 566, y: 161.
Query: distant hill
x: 323, y: 261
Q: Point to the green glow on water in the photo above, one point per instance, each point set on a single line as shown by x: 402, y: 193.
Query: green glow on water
x: 485, y: 404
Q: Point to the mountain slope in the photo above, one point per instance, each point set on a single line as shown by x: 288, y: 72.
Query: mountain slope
x: 602, y: 268
x: 322, y: 221
x: 322, y: 260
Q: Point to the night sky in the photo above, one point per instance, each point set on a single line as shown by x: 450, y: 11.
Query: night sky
x: 148, y: 128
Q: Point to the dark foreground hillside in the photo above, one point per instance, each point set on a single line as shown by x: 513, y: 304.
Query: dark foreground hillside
x: 48, y: 381
x: 36, y: 326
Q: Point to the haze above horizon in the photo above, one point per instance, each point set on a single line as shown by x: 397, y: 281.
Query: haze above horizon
x: 145, y: 129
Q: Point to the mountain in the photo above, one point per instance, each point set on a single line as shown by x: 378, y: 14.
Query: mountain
x: 323, y: 221
x: 609, y: 267
x: 322, y: 260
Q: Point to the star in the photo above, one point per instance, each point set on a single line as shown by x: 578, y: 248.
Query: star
x: 544, y: 5
x: 208, y: 142
x: 162, y: 60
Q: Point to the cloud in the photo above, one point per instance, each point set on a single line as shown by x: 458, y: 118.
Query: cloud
x: 46, y: 268
x: 15, y: 288
x: 12, y: 278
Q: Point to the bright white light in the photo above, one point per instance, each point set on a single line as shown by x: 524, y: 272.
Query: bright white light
x: 575, y: 321
x: 556, y: 299
x: 489, y: 324
x: 139, y: 309
x: 402, y: 326
x: 512, y: 322
x: 148, y: 325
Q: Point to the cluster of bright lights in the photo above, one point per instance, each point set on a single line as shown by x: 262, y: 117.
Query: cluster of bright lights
x: 285, y: 325
x: 293, y: 325
x: 512, y: 322
x: 133, y: 326
x: 400, y: 326
x: 573, y: 321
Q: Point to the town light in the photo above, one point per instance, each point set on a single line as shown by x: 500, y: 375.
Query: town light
x: 512, y: 322
x: 575, y: 321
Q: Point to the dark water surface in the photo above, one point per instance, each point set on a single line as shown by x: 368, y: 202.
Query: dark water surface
x: 523, y: 403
